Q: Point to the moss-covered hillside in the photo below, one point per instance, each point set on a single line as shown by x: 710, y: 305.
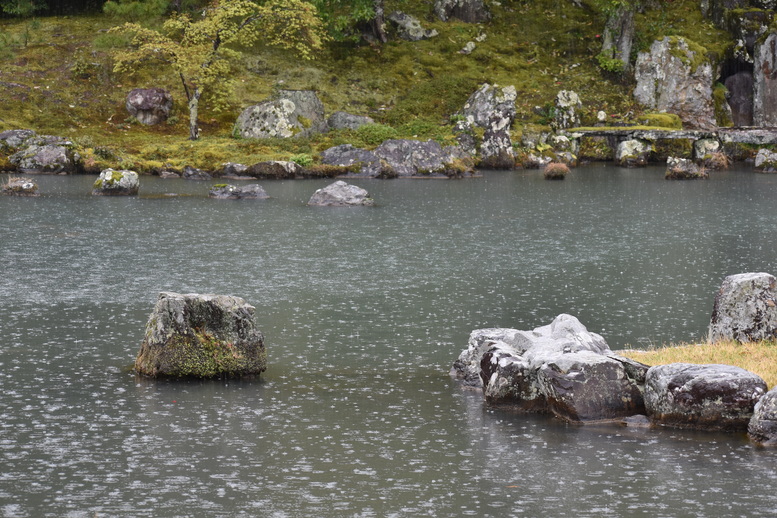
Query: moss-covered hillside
x: 56, y: 77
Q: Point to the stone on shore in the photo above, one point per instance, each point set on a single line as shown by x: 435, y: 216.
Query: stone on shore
x: 745, y: 308
x: 292, y: 113
x: 409, y: 28
x: 192, y: 173
x: 766, y: 161
x: 704, y: 397
x: 684, y: 169
x: 116, y: 183
x: 46, y: 155
x: 150, y: 106
x: 201, y: 336
x: 763, y: 425
x: 340, y: 194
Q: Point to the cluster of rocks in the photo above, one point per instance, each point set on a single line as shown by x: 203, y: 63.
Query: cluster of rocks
x: 30, y: 153
x: 20, y: 186
x: 564, y: 370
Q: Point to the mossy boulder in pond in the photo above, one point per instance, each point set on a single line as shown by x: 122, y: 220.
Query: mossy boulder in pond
x: 19, y: 186
x: 116, y: 183
x: 201, y: 336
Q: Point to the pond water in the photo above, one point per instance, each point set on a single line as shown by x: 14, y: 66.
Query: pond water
x: 364, y: 311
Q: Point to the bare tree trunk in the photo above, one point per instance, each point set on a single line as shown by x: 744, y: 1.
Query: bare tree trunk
x: 194, y: 101
x: 378, y: 21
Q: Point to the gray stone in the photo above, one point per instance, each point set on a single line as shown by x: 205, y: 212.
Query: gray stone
x: 343, y: 120
x: 409, y: 27
x: 192, y: 173
x: 365, y: 163
x: 201, y: 336
x: 11, y: 140
x: 666, y: 82
x: 568, y: 106
x: 407, y: 158
x: 292, y: 113
x: 762, y: 427
x: 340, y: 194
x: 704, y: 147
x: 489, y: 101
x: 708, y: 397
x: 275, y: 169
x: 244, y: 192
x: 467, y: 366
x: 745, y: 308
x: 684, y: 169
x: 116, y: 183
x: 469, y: 11
x: 740, y: 97
x: 20, y: 186
x: 496, y: 149
x: 618, y: 35
x: 766, y: 161
x: 234, y: 170
x: 46, y: 155
x: 633, y: 152
x: 765, y: 83
x: 149, y: 106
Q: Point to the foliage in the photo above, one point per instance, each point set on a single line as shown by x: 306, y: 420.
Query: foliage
x: 610, y: 64
x: 199, y: 51
x: 375, y: 134
x: 342, y: 17
x: 135, y: 10
x: 302, y: 159
x: 21, y: 8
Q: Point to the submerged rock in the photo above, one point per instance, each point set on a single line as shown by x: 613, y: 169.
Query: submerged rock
x: 116, y: 183
x: 684, y: 169
x: 20, y: 186
x: 763, y: 425
x: 227, y: 191
x: 745, y: 308
x: 340, y: 194
x: 708, y: 397
x: 201, y: 336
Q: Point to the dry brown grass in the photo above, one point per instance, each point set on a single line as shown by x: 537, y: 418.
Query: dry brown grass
x: 757, y: 357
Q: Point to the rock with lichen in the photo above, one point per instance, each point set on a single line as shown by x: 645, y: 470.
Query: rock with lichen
x: 745, y: 308
x: 340, y: 194
x: 20, y: 186
x: 116, y: 183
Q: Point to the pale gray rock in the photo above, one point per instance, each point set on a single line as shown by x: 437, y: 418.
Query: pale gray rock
x: 408, y: 158
x: 666, y: 82
x: 762, y: 427
x: 766, y: 161
x: 745, y: 308
x: 469, y: 11
x: 409, y: 27
x: 234, y: 170
x: 116, y: 183
x: 343, y: 120
x: 496, y: 149
x: 46, y: 155
x: 201, y: 336
x: 568, y: 106
x: 149, y: 106
x: 633, y: 152
x: 467, y: 366
x: 684, y: 169
x: 704, y: 147
x: 489, y: 101
x: 11, y: 140
x: 765, y: 83
x: 340, y: 194
x: 233, y: 192
x: 366, y: 163
x: 708, y: 397
x: 292, y: 113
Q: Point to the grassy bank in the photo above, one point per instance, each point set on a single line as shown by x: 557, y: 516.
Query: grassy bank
x: 757, y: 357
x: 56, y: 77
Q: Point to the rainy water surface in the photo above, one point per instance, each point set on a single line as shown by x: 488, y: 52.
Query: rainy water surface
x: 364, y: 310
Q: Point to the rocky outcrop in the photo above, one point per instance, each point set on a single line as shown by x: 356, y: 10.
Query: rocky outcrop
x: 676, y: 77
x: 409, y: 27
x: 116, y: 183
x: 567, y: 113
x: 765, y: 79
x: 490, y: 101
x: 360, y: 162
x: 192, y: 173
x: 470, y: 11
x: 225, y: 191
x: 20, y: 186
x: 709, y: 397
x: 633, y: 152
x: 561, y: 369
x: 618, y: 37
x: 275, y: 170
x: 12, y: 140
x: 745, y: 308
x: 291, y: 113
x: 740, y: 97
x: 766, y: 161
x: 340, y: 194
x: 763, y: 425
x: 496, y: 149
x: 343, y: 120
x: 149, y: 106
x: 409, y: 158
x: 46, y: 155
x: 684, y: 169
x: 201, y: 336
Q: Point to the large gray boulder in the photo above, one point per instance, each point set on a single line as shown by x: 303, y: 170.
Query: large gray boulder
x: 560, y: 368
x: 676, y: 77
x: 633, y: 152
x: 707, y: 397
x: 291, y: 113
x: 496, y: 148
x: 225, y: 191
x: 149, y: 106
x: 490, y: 101
x: 409, y: 27
x: 745, y: 308
x: 763, y: 425
x: 470, y: 11
x: 274, y: 170
x: 765, y: 79
x: 116, y: 183
x: 408, y: 158
x: 362, y: 162
x: 46, y: 155
x: 201, y: 336
x: 12, y: 140
x: 340, y: 194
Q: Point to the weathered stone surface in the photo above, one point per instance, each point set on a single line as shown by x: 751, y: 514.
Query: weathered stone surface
x: 234, y: 170
x: 409, y: 158
x: 470, y: 11
x: 232, y: 192
x: 684, y: 169
x: 340, y: 194
x: 202, y: 336
x: 490, y: 101
x: 46, y: 155
x: 362, y: 162
x: 765, y: 83
x: 292, y: 113
x: 409, y: 27
x: 618, y: 35
x: 344, y: 120
x: 496, y: 149
x: 116, y: 183
x: 192, y: 173
x: 149, y: 106
x: 740, y: 97
x: 766, y: 161
x: 275, y: 169
x: 568, y: 106
x: 561, y: 369
x: 763, y: 425
x: 745, y: 308
x: 11, y: 140
x: 709, y: 397
x: 20, y: 186
x: 633, y: 152
x: 673, y: 77
x: 704, y: 147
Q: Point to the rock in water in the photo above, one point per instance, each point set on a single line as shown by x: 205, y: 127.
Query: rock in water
x: 225, y: 191
x: 745, y: 308
x: 763, y: 425
x: 340, y: 194
x: 201, y: 336
x: 19, y: 186
x: 116, y: 183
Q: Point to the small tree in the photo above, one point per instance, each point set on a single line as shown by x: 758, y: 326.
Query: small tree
x: 354, y: 19
x: 199, y: 52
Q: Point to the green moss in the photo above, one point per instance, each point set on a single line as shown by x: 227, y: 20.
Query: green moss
x: 722, y: 113
x: 661, y: 120
x: 698, y: 54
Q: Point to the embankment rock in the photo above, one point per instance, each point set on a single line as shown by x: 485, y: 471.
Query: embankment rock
x: 192, y: 173
x: 291, y: 113
x: 709, y: 397
x: 766, y: 161
x: 201, y: 336
x: 46, y: 155
x: 408, y: 158
x: 360, y: 161
x: 745, y: 308
x: 340, y: 194
x: 684, y: 169
x: 763, y: 425
x: 116, y: 183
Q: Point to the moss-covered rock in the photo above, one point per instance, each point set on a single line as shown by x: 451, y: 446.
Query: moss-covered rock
x: 116, y: 183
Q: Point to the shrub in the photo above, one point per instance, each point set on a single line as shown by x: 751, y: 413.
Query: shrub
x: 375, y: 134
x: 555, y: 171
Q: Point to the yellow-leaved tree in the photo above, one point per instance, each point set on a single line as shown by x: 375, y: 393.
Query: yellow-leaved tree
x: 198, y: 49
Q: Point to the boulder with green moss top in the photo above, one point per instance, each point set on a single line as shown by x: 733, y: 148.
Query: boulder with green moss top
x: 766, y: 161
x: 765, y: 82
x: 291, y: 113
x: 415, y: 158
x: 20, y: 186
x: 46, y: 155
x: 409, y: 27
x: 341, y: 194
x: 201, y: 336
x: 469, y: 11
x: 676, y: 76
x: 633, y: 152
x: 225, y: 191
x: 116, y: 183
